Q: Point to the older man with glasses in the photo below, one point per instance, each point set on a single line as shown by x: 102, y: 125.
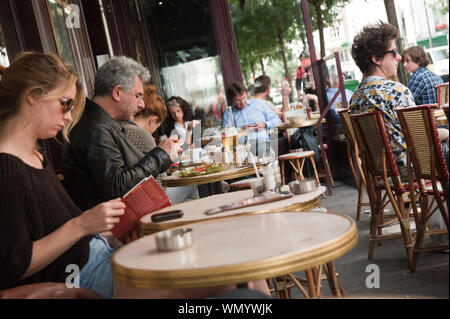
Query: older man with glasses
x: 99, y: 163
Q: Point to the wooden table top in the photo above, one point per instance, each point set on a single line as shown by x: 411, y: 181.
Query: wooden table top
x: 239, y: 249
x: 194, y: 210
x: 305, y: 123
x: 178, y: 180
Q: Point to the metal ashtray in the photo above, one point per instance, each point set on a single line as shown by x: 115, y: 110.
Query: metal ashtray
x: 174, y: 239
x: 303, y: 186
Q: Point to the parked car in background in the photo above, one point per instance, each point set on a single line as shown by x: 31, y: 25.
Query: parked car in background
x: 439, y: 60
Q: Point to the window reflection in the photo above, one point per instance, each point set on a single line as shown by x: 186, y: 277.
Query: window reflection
x: 184, y: 54
x: 70, y: 41
x: 57, y: 14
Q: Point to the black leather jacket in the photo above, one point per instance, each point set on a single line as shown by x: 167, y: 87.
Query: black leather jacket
x: 99, y: 163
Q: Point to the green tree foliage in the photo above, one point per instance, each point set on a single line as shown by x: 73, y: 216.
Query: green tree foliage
x: 440, y: 7
x: 263, y: 28
x: 325, y: 11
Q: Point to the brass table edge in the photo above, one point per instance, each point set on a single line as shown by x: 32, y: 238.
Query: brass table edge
x: 231, y: 274
x: 151, y: 228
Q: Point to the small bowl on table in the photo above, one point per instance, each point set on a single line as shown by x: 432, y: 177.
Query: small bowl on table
x: 174, y: 239
x: 304, y: 186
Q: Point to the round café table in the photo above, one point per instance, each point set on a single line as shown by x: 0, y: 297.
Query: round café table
x: 235, y: 250
x: 305, y: 123
x: 194, y: 210
x: 226, y: 174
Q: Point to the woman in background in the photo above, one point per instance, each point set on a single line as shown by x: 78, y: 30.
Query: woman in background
x: 140, y: 134
x: 423, y: 81
x: 180, y: 120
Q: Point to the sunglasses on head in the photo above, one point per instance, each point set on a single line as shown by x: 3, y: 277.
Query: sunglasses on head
x: 67, y: 104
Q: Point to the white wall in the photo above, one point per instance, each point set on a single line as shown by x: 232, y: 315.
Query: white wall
x: 358, y: 13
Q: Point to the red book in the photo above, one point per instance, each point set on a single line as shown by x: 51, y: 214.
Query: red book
x: 144, y: 198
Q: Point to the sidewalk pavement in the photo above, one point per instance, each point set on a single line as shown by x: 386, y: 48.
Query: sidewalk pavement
x: 431, y: 279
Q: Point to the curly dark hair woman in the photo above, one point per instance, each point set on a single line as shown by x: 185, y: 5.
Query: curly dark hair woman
x: 179, y: 112
x: 373, y: 40
x: 180, y: 120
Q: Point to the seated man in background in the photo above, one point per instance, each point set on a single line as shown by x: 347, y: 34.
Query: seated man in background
x: 99, y: 163
x: 331, y: 89
x: 261, y: 90
x: 252, y: 115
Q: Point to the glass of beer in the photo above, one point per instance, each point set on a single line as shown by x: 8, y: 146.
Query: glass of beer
x: 227, y: 141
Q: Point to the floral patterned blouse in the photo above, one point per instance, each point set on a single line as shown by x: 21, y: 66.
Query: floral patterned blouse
x: 377, y: 93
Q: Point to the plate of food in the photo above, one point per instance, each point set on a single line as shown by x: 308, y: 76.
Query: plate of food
x: 203, y: 169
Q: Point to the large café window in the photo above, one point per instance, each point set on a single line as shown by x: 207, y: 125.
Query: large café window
x: 185, y: 55
x: 67, y: 29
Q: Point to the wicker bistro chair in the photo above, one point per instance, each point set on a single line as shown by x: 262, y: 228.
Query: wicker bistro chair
x: 354, y: 160
x: 381, y: 174
x: 442, y: 94
x: 425, y: 153
x: 445, y: 108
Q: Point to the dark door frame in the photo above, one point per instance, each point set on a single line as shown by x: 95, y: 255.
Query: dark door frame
x: 225, y: 42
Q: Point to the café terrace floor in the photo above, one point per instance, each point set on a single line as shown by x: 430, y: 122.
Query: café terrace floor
x: 431, y: 279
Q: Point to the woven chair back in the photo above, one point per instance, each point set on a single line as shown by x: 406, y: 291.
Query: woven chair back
x: 373, y: 143
x: 420, y: 131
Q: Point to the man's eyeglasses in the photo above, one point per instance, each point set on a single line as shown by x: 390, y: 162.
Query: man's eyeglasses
x: 139, y: 96
x: 67, y: 104
x: 394, y: 53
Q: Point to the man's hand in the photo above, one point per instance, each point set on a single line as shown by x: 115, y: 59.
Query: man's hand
x: 172, y: 146
x: 286, y: 90
x: 258, y: 126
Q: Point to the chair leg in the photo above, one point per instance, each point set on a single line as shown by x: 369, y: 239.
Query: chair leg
x: 316, y: 174
x: 420, y: 233
x: 311, y: 284
x: 335, y: 286
x: 301, y: 163
x: 405, y: 227
x: 374, y: 221
x: 360, y: 201
x: 299, y: 168
x: 282, y: 172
